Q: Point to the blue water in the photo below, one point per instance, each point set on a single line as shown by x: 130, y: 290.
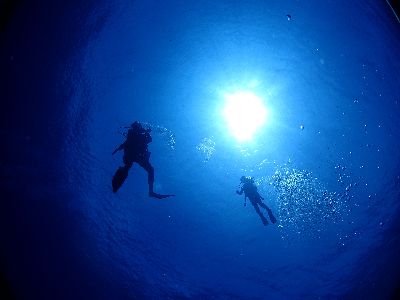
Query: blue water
x: 327, y: 161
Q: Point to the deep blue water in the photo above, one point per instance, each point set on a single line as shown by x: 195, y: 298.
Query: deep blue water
x: 327, y: 161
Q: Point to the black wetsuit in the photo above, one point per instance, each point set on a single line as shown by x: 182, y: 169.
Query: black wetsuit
x: 135, y: 151
x: 250, y: 191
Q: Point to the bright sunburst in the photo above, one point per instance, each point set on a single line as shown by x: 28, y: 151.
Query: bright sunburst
x: 244, y: 113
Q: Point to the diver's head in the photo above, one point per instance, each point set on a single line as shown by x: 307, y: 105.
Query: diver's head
x: 245, y: 179
x: 136, y: 126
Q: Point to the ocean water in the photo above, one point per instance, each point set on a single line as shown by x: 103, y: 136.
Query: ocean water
x: 326, y: 161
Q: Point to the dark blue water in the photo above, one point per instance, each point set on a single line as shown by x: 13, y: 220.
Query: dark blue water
x: 327, y: 160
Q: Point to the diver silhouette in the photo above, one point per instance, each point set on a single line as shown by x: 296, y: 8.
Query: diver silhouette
x: 250, y: 191
x: 136, y: 151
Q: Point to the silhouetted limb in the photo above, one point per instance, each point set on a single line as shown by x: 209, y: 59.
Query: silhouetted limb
x: 263, y: 219
x: 269, y: 211
x: 271, y: 216
x: 145, y: 164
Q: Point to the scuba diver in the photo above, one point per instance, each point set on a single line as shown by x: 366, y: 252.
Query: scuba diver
x: 136, y: 151
x: 250, y: 191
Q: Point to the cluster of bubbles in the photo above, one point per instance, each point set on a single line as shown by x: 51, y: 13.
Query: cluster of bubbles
x: 343, y: 178
x: 207, y: 148
x: 305, y: 206
x: 167, y: 135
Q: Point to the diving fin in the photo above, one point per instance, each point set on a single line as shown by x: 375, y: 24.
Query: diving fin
x: 159, y: 196
x: 119, y: 178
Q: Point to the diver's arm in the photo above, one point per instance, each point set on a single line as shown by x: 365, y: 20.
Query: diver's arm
x: 120, y: 147
x: 240, y: 193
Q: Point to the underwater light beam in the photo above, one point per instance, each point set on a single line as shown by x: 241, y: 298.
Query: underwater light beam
x: 244, y: 113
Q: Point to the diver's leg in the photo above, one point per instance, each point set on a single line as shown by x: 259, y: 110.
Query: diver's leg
x: 263, y: 205
x: 145, y: 164
x: 120, y: 175
x: 263, y: 219
x: 271, y: 216
x: 269, y: 211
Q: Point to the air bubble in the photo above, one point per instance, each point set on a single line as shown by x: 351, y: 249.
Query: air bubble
x: 207, y: 148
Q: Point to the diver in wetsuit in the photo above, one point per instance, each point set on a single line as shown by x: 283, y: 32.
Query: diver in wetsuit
x: 136, y: 151
x: 250, y: 191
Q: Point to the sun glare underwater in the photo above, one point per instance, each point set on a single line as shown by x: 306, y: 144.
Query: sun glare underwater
x: 244, y: 113
x: 300, y: 100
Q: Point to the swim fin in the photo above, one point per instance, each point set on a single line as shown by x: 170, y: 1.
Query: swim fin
x: 119, y: 178
x: 159, y: 196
